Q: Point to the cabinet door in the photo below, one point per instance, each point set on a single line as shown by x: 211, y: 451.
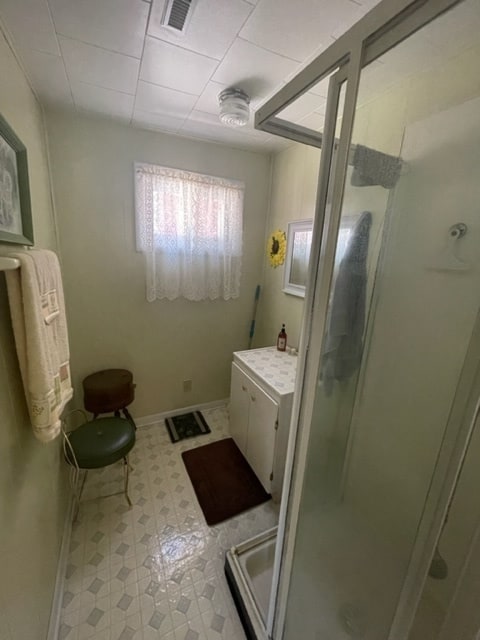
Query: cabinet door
x: 239, y: 408
x: 261, y: 434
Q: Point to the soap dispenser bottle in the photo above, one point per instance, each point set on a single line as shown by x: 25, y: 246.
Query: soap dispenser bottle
x: 282, y: 339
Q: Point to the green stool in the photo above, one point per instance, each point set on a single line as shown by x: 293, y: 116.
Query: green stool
x: 98, y: 444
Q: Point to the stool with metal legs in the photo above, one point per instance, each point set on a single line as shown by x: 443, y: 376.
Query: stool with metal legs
x: 97, y: 444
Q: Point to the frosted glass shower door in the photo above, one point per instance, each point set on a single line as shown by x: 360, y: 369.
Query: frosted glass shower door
x: 398, y: 331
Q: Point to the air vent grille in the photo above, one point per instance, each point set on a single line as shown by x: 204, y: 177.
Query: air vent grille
x: 177, y: 14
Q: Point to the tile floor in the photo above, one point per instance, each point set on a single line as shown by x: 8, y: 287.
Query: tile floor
x: 154, y: 570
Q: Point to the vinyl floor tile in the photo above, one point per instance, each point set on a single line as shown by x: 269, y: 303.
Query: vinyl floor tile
x: 154, y: 570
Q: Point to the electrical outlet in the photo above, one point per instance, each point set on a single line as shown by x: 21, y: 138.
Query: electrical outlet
x: 187, y: 385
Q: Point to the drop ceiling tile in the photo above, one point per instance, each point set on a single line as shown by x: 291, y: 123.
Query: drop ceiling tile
x: 249, y: 144
x: 302, y: 107
x: 162, y: 101
x: 322, y: 107
x: 341, y: 105
x: 212, y: 27
x: 321, y: 88
x: 204, y: 126
x: 315, y: 121
x: 208, y: 100
x: 295, y: 29
x: 30, y: 25
x: 340, y: 21
x: 86, y: 63
x: 253, y: 69
x: 367, y: 4
x: 210, y: 119
x: 256, y: 133
x: 117, y: 25
x: 156, y: 122
x: 88, y: 97
x: 170, y: 66
x: 212, y: 122
x: 277, y: 143
x: 48, y: 77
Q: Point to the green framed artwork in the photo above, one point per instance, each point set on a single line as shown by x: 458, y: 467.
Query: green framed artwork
x: 15, y: 210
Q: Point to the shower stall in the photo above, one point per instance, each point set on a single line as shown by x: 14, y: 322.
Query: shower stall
x: 384, y: 426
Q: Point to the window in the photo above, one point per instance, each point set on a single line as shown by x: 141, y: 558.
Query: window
x: 189, y: 226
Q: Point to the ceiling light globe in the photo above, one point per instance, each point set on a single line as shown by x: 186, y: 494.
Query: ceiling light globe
x: 234, y: 107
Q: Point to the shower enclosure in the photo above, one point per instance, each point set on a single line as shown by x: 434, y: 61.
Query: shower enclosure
x: 388, y: 380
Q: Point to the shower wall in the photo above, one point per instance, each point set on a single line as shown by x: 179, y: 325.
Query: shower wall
x: 367, y: 477
x: 440, y: 187
x: 434, y: 148
x: 392, y: 454
x: 449, y: 607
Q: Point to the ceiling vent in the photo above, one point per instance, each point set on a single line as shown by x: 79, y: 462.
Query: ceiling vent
x: 177, y: 14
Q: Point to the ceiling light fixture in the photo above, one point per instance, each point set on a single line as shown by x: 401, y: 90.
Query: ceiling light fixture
x: 234, y: 107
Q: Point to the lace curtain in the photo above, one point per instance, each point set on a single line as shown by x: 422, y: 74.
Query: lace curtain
x: 189, y: 226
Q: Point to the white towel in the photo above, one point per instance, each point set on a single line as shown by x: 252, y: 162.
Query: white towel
x: 37, y: 308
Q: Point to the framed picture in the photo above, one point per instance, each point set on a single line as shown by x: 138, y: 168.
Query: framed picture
x: 15, y: 210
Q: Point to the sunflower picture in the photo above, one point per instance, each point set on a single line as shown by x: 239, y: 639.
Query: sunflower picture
x: 276, y: 248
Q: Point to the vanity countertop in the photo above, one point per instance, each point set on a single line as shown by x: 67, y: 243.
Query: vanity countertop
x: 276, y: 368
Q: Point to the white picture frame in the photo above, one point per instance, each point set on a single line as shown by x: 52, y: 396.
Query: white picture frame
x: 299, y: 241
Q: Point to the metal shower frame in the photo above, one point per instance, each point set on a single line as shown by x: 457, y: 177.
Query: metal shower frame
x: 388, y: 24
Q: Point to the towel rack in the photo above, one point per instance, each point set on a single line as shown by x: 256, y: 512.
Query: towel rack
x: 7, y: 264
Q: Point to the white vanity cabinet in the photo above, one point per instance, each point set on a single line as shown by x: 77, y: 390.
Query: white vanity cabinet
x: 261, y: 396
x: 253, y: 423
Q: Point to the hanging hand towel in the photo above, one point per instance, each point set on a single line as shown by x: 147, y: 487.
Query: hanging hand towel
x: 371, y: 167
x: 37, y: 308
x: 343, y: 346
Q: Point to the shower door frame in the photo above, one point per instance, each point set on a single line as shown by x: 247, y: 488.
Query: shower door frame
x: 388, y: 24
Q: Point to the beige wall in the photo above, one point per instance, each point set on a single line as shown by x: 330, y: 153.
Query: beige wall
x: 111, y: 323
x: 32, y: 478
x: 293, y: 192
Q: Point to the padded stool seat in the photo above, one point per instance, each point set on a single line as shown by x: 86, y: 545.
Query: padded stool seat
x: 101, y: 442
x: 97, y: 444
x: 110, y: 390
